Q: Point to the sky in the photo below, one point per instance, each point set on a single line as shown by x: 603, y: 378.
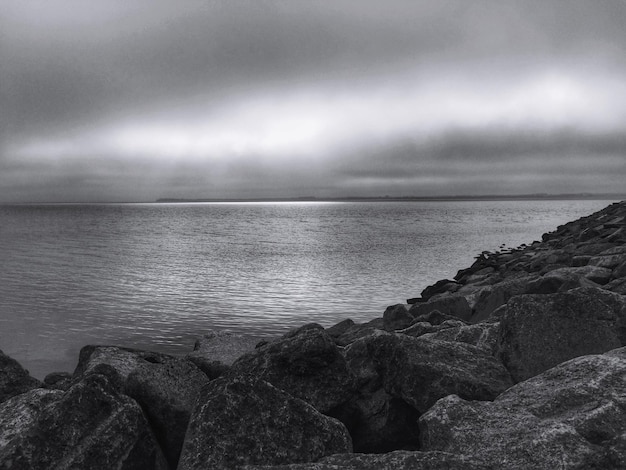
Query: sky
x: 111, y: 100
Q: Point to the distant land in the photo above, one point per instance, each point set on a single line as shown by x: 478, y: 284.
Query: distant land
x: 482, y: 197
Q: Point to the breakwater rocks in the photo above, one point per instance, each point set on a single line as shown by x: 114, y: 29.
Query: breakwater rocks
x: 519, y: 362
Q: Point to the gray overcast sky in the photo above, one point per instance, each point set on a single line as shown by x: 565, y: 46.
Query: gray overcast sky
x: 111, y: 100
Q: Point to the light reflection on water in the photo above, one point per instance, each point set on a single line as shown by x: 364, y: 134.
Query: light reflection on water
x: 158, y: 275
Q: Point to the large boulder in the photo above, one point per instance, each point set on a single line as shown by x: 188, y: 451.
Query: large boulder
x: 571, y: 416
x: 305, y: 363
x: 538, y: 332
x: 398, y: 460
x: 245, y: 420
x: 14, y: 379
x: 560, y: 280
x: 216, y: 351
x: 482, y: 335
x: 167, y: 393
x: 485, y: 301
x: 91, y: 426
x: 420, y: 371
x: 396, y: 317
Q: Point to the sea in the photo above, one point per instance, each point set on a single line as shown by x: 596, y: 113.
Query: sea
x: 157, y: 276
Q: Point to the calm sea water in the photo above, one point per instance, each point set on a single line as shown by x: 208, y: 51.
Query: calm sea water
x: 158, y: 275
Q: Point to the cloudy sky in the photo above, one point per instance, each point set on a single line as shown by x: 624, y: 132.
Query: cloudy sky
x: 116, y: 100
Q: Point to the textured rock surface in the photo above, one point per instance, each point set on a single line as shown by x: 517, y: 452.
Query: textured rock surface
x: 305, y: 363
x: 167, y: 393
x: 454, y: 305
x: 14, y: 379
x: 396, y: 317
x: 398, y: 460
x: 482, y: 335
x: 90, y: 426
x: 540, y: 331
x: 571, y: 416
x: 246, y: 421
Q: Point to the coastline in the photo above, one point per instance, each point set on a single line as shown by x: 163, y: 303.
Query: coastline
x: 506, y: 335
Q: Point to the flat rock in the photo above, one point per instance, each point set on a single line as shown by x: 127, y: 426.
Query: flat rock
x: 14, y: 379
x: 167, y: 393
x: 306, y: 363
x: 90, y: 426
x: 398, y: 460
x: 244, y: 420
x: 538, y: 332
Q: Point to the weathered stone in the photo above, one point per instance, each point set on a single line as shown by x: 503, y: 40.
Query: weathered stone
x: 14, y: 379
x: 619, y: 271
x: 482, y: 335
x: 490, y: 298
x: 538, y: 332
x: 444, y: 285
x: 396, y: 317
x: 571, y: 416
x: 58, y: 381
x: 340, y: 328
x: 420, y: 371
x: 305, y: 363
x: 562, y: 279
x: 216, y: 351
x: 419, y: 328
x: 617, y: 285
x: 434, y: 317
x: 248, y: 421
x: 90, y: 426
x: 609, y: 261
x: 454, y: 305
x: 398, y: 460
x: 167, y: 393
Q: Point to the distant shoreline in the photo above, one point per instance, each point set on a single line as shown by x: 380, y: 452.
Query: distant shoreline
x: 486, y: 197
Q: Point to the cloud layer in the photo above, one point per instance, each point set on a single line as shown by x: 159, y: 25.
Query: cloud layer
x: 134, y: 101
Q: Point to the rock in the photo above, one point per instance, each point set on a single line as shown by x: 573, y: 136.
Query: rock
x: 419, y: 328
x: 571, y: 416
x: 617, y: 285
x: 58, y: 381
x: 538, y: 332
x: 305, y: 363
x: 503, y: 438
x: 396, y: 317
x: 420, y: 371
x: 167, y: 393
x: 243, y: 421
x: 444, y: 285
x: 14, y: 379
x: 454, y: 305
x: 490, y: 298
x: 122, y: 360
x: 90, y: 426
x: 608, y: 260
x: 482, y: 335
x: 353, y: 333
x: 398, y: 460
x: 216, y: 351
x: 340, y: 328
x: 560, y: 280
x: 434, y: 317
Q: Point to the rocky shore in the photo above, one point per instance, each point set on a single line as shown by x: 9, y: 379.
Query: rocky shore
x: 519, y: 362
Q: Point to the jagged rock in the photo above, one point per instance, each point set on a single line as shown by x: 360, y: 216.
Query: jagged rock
x: 439, y: 287
x: 396, y: 317
x: 619, y: 271
x: 419, y: 328
x: 560, y: 280
x: 90, y: 426
x: 610, y: 258
x: 490, y: 298
x: 420, y: 371
x: 58, y: 381
x: 122, y: 360
x: 454, y: 305
x: 244, y: 420
x: 305, y: 363
x: 617, y: 285
x: 14, y: 379
x: 340, y: 328
x: 398, y: 460
x: 216, y: 351
x: 167, y: 393
x: 540, y: 331
x: 571, y: 416
x: 482, y: 335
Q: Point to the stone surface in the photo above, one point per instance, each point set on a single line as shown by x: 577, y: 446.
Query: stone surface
x: 571, y: 416
x: 248, y: 421
x: 167, y: 393
x: 434, y: 317
x: 488, y: 299
x: 396, y: 317
x: 398, y: 460
x: 420, y: 371
x: 482, y: 335
x: 58, y: 381
x: 90, y: 426
x: 453, y: 305
x: 305, y: 363
x: 14, y: 379
x: 540, y: 331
